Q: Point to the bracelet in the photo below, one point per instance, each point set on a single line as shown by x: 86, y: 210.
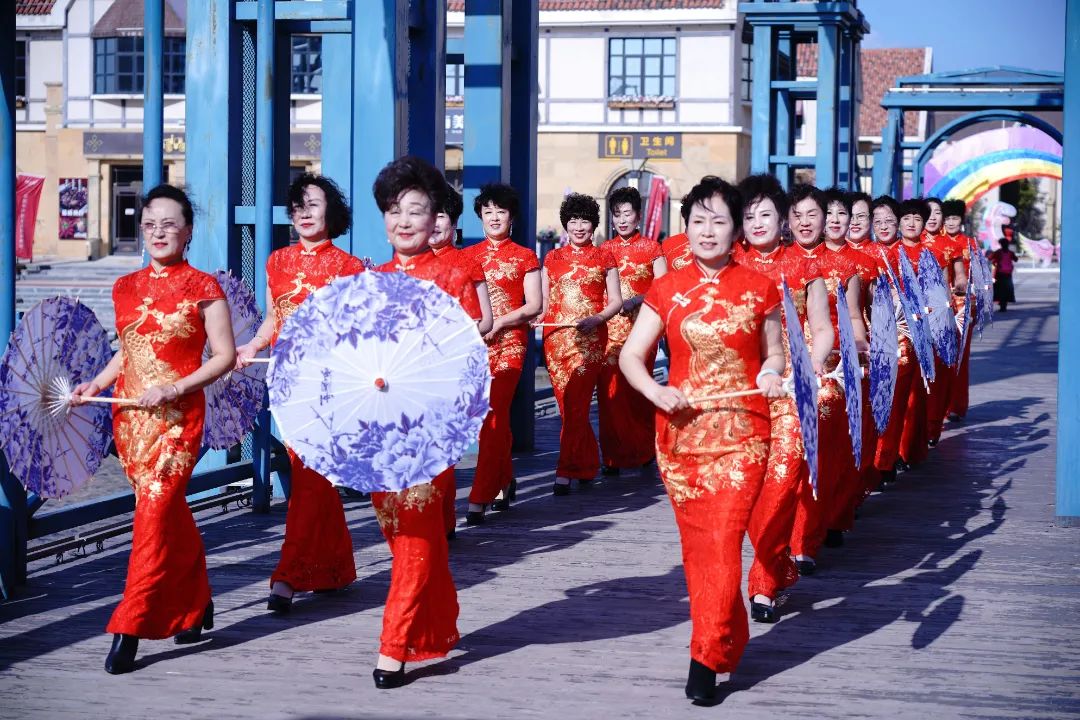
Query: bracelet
x: 764, y: 372
x: 175, y: 390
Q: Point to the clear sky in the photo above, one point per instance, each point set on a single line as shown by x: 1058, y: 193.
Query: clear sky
x: 968, y: 34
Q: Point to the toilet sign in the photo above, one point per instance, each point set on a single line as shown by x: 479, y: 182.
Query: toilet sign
x: 639, y: 146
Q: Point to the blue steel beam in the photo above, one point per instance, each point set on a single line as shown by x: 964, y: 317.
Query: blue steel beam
x: 426, y: 81
x: 153, y: 92
x: 888, y: 155
x: 960, y: 99
x: 1068, y: 406
x: 763, y: 59
x: 825, y: 170
x: 1015, y: 76
x: 298, y: 10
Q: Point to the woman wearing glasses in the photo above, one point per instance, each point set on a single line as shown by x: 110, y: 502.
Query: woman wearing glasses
x: 317, y: 553
x: 165, y: 315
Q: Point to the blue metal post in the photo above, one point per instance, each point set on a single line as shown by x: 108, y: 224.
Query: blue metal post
x: 887, y: 156
x: 827, y: 97
x: 427, y: 81
x: 486, y: 70
x: 13, y: 513
x: 524, y: 90
x: 264, y: 140
x: 763, y: 54
x: 845, y: 136
x: 1068, y: 410
x: 153, y: 92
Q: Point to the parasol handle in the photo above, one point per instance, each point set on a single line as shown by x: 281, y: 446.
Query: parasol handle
x: 259, y: 360
x: 109, y: 400
x: 788, y: 389
x: 555, y: 325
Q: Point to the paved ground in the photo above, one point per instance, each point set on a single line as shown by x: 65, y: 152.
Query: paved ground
x: 955, y: 597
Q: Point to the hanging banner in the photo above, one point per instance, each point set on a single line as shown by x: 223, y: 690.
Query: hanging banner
x: 654, y: 211
x: 27, y: 196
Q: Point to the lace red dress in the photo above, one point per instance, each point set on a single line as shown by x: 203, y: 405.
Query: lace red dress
x: 420, y: 619
x: 626, y: 433
x: 162, y: 337
x: 317, y: 553
x: 773, y: 516
x: 713, y: 457
x: 505, y: 265
x: 577, y: 281
x: 837, y: 474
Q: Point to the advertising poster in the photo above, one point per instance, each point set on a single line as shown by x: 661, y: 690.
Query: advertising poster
x: 74, y: 203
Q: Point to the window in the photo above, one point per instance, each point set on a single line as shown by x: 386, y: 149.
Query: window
x: 20, y: 68
x: 307, y: 64
x: 118, y: 65
x: 641, y: 67
x: 746, y: 84
x: 455, y: 80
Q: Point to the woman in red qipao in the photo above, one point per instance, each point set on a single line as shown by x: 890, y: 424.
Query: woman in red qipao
x: 580, y: 285
x: 914, y: 440
x: 317, y: 553
x: 626, y: 431
x: 442, y: 245
x: 807, y: 215
x: 771, y: 521
x: 420, y: 619
x: 953, y: 253
x: 165, y: 314
x: 513, y: 281
x: 953, y: 213
x: 722, y: 323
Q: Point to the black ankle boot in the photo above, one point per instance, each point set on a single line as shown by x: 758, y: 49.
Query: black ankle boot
x: 389, y: 679
x: 194, y: 635
x: 121, y: 657
x: 701, y: 683
x: 475, y: 517
x: 508, y: 496
x: 278, y: 604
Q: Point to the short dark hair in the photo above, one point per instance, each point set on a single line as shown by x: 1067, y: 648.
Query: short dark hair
x: 805, y: 190
x: 836, y: 195
x: 937, y: 200
x: 624, y: 195
x: 168, y: 192
x: 707, y: 187
x: 854, y: 197
x: 886, y: 201
x: 763, y: 186
x: 338, y: 214
x: 409, y: 173
x: 953, y: 207
x: 453, y: 205
x: 500, y: 195
x: 914, y: 206
x: 577, y: 205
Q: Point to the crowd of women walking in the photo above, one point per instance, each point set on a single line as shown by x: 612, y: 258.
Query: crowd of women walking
x: 723, y: 431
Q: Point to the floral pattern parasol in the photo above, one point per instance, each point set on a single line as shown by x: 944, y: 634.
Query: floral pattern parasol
x: 884, y: 355
x: 805, y: 385
x: 849, y: 360
x: 911, y: 303
x: 234, y: 399
x: 982, y: 276
x: 964, y: 320
x: 53, y: 455
x: 379, y: 381
x: 940, y: 316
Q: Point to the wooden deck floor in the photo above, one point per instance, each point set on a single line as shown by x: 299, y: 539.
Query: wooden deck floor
x: 955, y: 597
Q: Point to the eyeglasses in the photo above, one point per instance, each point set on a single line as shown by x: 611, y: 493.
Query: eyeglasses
x: 861, y: 217
x: 884, y: 223
x: 167, y: 227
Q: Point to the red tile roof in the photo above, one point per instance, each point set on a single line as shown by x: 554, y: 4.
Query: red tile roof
x: 880, y: 69
x: 459, y: 5
x: 34, y: 7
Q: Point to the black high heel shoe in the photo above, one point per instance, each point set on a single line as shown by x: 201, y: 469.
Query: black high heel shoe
x: 475, y: 517
x: 194, y: 635
x: 121, y: 657
x: 701, y: 684
x: 806, y: 567
x: 762, y: 613
x: 508, y: 496
x: 278, y: 604
x: 559, y: 489
x: 389, y: 679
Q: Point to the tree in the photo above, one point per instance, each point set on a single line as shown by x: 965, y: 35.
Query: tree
x: 1030, y: 220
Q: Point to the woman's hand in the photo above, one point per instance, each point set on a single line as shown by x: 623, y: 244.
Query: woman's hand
x: 84, y: 390
x: 819, y: 369
x: 771, y: 386
x: 245, y: 353
x: 536, y: 322
x: 861, y: 346
x: 630, y: 305
x: 496, y: 327
x: 158, y: 395
x: 668, y: 399
x: 590, y: 323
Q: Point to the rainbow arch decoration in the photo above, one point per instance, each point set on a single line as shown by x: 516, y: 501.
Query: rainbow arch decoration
x: 969, y: 168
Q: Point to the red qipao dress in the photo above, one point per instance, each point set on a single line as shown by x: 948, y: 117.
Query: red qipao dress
x: 836, y: 466
x: 626, y: 432
x: 162, y: 337
x: 505, y: 265
x: 420, y: 619
x: 773, y: 516
x: 958, y: 397
x: 676, y: 251
x: 317, y: 553
x: 887, y: 451
x: 947, y: 249
x: 713, y: 458
x: 577, y: 281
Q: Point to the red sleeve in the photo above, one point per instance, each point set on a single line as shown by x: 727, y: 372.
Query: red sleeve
x: 476, y: 273
x: 655, y: 251
x: 772, y: 299
x: 211, y: 290
x: 529, y: 261
x: 354, y: 266
x: 655, y: 299
x: 607, y: 259
x: 467, y: 296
